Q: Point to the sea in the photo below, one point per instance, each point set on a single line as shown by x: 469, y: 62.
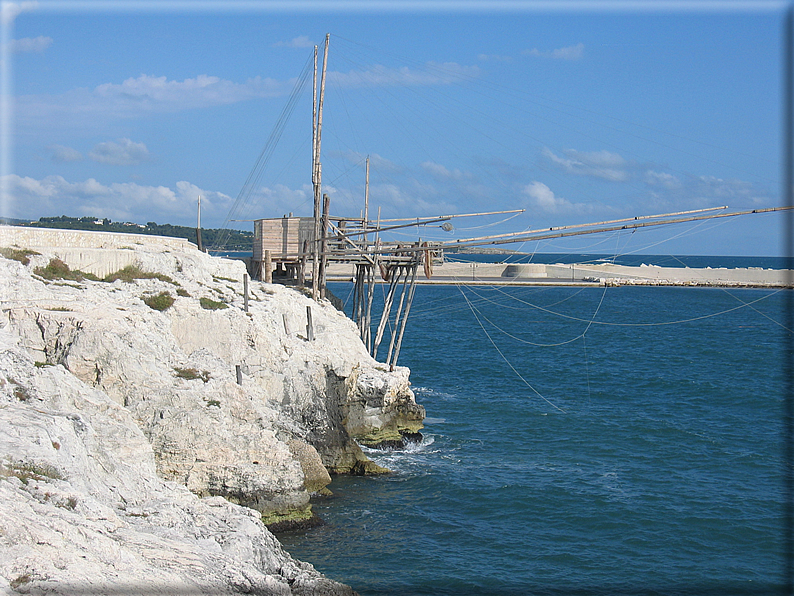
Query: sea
x: 582, y: 441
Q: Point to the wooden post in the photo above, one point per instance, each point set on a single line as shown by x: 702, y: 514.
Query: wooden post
x: 238, y: 369
x: 384, y: 315
x: 398, y: 317
x: 324, y: 245
x: 245, y: 292
x: 268, y: 268
x: 198, y: 227
x: 302, y: 267
x: 286, y: 323
x: 404, y: 322
x: 309, y: 326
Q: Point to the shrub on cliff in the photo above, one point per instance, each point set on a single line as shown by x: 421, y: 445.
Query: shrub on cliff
x: 192, y: 373
x: 132, y: 272
x: 161, y: 301
x: 18, y: 254
x: 57, y: 269
x: 209, y: 304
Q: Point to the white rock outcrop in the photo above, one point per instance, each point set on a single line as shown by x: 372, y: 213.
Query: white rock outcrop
x: 152, y: 426
x: 82, y: 510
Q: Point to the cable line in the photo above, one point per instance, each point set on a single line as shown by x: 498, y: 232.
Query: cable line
x: 513, y: 368
x: 264, y: 157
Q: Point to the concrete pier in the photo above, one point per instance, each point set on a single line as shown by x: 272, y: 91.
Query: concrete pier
x: 591, y: 274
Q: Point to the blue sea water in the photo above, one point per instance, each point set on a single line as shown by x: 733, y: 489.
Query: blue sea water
x: 582, y: 441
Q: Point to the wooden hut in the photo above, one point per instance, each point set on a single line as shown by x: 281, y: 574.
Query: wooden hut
x: 284, y: 238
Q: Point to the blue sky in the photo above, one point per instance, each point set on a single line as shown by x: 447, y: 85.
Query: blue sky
x: 585, y: 113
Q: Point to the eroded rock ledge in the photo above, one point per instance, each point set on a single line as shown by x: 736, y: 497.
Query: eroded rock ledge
x: 168, y: 379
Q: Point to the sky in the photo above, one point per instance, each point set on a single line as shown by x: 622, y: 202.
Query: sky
x: 574, y: 112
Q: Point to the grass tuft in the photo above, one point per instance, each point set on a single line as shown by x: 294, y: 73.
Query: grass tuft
x: 161, y: 301
x: 209, y: 304
x: 192, y: 373
x: 26, y: 471
x: 133, y: 272
x: 57, y: 269
x: 18, y: 254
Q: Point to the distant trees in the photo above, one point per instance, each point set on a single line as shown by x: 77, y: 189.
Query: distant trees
x: 237, y: 240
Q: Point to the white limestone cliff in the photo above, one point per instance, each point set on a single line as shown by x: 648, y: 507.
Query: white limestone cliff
x: 168, y: 378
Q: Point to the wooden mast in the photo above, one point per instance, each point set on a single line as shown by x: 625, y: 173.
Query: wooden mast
x: 318, y: 172
x: 198, y: 226
x: 366, y: 202
x: 314, y: 168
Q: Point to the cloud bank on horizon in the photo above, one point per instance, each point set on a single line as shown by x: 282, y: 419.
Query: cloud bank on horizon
x: 568, y: 131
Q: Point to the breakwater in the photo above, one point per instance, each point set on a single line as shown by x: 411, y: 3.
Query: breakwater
x: 478, y: 273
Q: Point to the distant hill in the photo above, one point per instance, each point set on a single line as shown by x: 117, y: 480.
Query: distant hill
x: 236, y: 239
x: 10, y: 221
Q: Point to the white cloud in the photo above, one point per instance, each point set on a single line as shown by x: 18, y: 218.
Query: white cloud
x: 397, y: 202
x: 442, y: 173
x: 296, y: 42
x: 139, y: 96
x: 543, y: 198
x: 566, y: 53
x: 202, y: 91
x: 122, y: 152
x: 494, y: 58
x: 11, y: 10
x: 147, y: 94
x: 382, y: 76
x: 376, y: 162
x: 662, y: 179
x: 281, y: 200
x: 61, y: 154
x: 30, y: 44
x: 601, y: 164
x: 54, y: 195
x: 739, y: 192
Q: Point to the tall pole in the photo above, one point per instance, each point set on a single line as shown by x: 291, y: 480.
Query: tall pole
x: 366, y: 204
x: 324, y: 244
x: 316, y: 213
x: 198, y: 227
x: 318, y: 172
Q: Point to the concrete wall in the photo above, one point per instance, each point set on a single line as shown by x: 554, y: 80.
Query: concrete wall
x: 100, y: 253
x: 51, y: 238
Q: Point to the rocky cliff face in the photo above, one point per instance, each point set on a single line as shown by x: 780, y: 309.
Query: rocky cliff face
x: 82, y: 510
x: 145, y: 403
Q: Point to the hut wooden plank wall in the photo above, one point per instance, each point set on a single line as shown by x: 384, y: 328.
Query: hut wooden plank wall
x: 284, y: 237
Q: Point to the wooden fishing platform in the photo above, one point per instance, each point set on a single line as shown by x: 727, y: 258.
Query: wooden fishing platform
x: 283, y: 247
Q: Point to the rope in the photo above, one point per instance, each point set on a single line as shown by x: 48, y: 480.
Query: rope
x: 264, y: 157
x: 513, y: 368
x: 690, y: 320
